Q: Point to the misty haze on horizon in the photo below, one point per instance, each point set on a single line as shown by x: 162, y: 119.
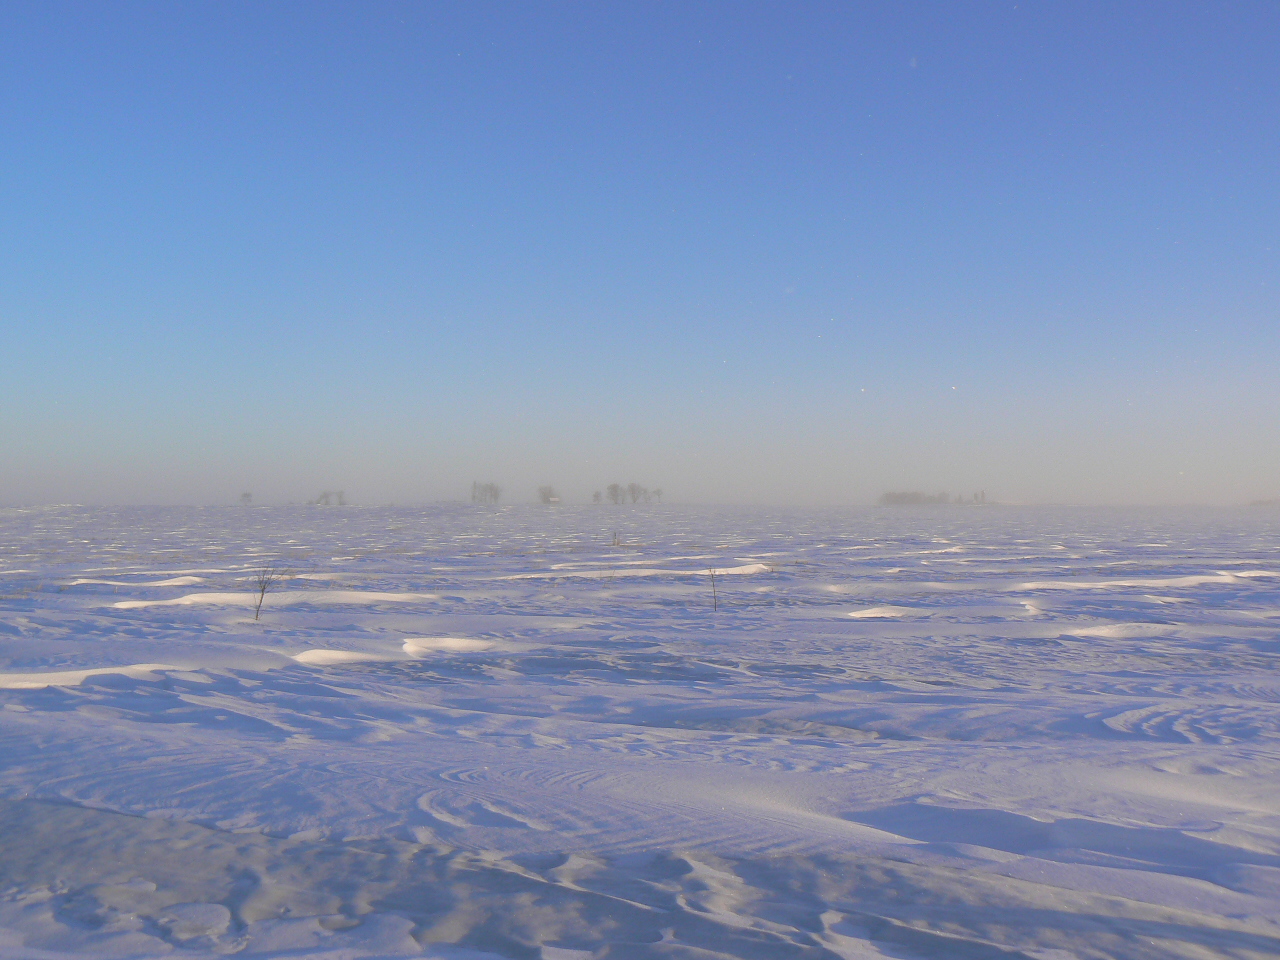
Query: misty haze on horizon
x: 793, y: 255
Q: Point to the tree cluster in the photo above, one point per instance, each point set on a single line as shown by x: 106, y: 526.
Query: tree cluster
x: 618, y: 494
x: 485, y: 492
x: 911, y: 498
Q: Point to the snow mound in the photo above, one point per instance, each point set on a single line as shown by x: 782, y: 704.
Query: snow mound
x: 416, y: 646
x: 883, y: 613
x: 71, y: 678
x: 1122, y: 631
x: 320, y: 657
x: 171, y: 582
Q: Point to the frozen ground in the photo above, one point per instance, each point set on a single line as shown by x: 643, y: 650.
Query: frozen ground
x: 968, y: 733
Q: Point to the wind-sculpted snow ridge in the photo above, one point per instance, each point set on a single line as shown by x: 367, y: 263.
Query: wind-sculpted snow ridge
x: 470, y: 732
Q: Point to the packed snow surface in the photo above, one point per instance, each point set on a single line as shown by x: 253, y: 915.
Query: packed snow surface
x: 471, y: 732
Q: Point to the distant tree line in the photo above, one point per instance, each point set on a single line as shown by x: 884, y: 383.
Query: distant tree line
x: 485, y: 492
x: 615, y: 493
x: 618, y: 494
x: 913, y: 498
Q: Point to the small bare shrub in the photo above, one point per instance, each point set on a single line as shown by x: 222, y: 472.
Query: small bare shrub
x: 266, y: 578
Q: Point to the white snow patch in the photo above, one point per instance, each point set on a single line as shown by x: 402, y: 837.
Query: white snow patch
x: 883, y: 613
x: 1197, y: 580
x: 319, y: 656
x: 171, y: 582
x: 1122, y: 631
x: 282, y: 599
x: 416, y: 646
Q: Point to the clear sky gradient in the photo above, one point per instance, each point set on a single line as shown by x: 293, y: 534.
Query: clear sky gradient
x: 773, y: 252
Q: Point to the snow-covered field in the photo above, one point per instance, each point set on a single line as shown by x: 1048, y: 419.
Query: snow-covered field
x: 460, y: 732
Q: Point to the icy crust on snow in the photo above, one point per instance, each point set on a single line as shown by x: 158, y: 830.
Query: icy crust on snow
x: 460, y: 732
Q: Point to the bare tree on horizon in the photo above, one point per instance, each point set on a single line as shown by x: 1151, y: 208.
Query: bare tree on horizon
x: 485, y: 492
x: 618, y: 494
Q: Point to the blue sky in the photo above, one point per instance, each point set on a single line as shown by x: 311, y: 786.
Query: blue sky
x: 793, y: 252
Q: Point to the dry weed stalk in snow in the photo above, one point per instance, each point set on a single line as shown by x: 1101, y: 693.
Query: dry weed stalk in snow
x: 266, y: 578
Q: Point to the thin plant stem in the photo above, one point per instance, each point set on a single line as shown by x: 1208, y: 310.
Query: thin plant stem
x: 265, y: 578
